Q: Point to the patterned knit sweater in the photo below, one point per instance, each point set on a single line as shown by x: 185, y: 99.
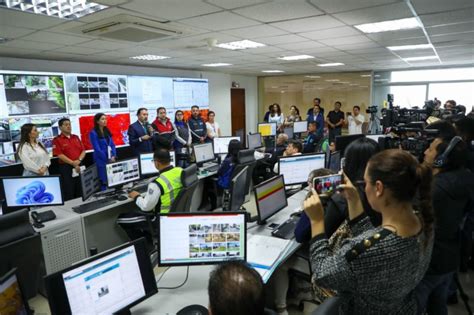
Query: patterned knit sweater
x: 375, y: 272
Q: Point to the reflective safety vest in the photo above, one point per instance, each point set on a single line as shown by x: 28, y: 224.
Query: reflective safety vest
x: 170, y: 185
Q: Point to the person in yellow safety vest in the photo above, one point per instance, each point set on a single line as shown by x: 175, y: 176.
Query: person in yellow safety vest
x: 159, y: 197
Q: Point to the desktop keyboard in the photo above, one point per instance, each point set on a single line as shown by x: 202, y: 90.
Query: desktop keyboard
x: 141, y: 189
x: 286, y: 230
x: 211, y: 168
x: 91, y: 206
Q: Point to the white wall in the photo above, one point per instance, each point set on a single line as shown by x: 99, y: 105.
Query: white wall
x: 219, y: 83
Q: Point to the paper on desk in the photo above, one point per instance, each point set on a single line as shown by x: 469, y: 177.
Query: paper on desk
x: 264, y: 251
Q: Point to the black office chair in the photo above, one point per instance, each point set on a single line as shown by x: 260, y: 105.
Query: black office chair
x: 20, y: 247
x: 182, y: 202
x: 328, y: 307
x: 245, y: 158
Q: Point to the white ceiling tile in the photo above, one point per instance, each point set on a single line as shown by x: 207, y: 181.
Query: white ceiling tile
x: 449, y: 29
x: 56, y: 38
x: 13, y: 32
x: 308, y: 24
x: 13, y: 51
x: 282, y: 39
x: 28, y: 44
x: 301, y: 45
x: 377, y: 50
x: 345, y: 40
x: 265, y: 50
x: 334, y: 6
x: 29, y: 20
x: 78, y: 50
x: 404, y: 41
x: 432, y: 6
x: 445, y: 18
x: 415, y: 53
x: 219, y: 21
x: 393, y: 11
x: 171, y: 9
x: 104, y: 45
x: 104, y: 14
x: 453, y: 38
x: 331, y: 33
x: 319, y: 50
x: 349, y: 47
x: 256, y: 31
x: 388, y: 36
x: 233, y: 4
x: 279, y: 11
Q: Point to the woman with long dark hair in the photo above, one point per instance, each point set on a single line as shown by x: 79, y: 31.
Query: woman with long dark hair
x: 104, y: 146
x: 227, y: 166
x: 182, y: 143
x: 276, y: 116
x: 377, y: 269
x: 32, y: 152
x: 293, y: 116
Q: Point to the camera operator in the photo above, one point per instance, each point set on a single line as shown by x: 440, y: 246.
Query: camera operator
x: 465, y: 129
x: 452, y: 197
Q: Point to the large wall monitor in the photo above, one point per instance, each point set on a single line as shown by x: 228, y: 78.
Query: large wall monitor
x: 296, y: 168
x: 122, y: 172
x: 32, y: 191
x: 201, y: 238
x: 189, y: 92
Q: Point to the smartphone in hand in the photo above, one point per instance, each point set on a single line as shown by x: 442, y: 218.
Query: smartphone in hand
x: 327, y: 185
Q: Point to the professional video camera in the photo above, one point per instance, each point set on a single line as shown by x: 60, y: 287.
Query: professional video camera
x: 400, y: 116
x: 447, y: 114
x: 372, y: 109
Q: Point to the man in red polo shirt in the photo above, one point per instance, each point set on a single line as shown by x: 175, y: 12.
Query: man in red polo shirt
x: 70, y: 151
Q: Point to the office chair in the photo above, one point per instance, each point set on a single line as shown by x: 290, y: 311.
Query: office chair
x: 20, y: 247
x: 245, y: 158
x: 328, y: 307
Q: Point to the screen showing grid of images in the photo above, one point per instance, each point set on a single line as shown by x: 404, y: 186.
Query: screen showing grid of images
x: 96, y: 92
x: 27, y: 94
x: 215, y: 241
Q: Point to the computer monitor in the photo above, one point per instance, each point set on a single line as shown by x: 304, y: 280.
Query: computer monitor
x: 343, y: 141
x: 267, y: 129
x: 110, y: 282
x: 32, y: 191
x: 289, y: 132
x: 12, y: 299
x: 296, y: 168
x: 270, y: 197
x: 238, y: 190
x: 300, y: 126
x: 254, y: 140
x: 147, y: 165
x: 203, y: 152
x: 122, y: 172
x: 335, y: 161
x: 90, y: 182
x: 221, y: 144
x: 201, y: 238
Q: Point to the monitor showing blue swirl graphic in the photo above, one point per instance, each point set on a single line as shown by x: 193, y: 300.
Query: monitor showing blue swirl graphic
x: 34, y: 191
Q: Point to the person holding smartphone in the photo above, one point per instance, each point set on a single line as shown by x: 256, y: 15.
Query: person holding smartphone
x: 355, y: 121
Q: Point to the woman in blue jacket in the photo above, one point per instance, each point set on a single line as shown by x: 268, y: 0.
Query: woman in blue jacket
x: 104, y: 147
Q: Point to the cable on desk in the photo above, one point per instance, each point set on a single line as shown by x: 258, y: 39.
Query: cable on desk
x: 161, y: 276
x: 179, y: 286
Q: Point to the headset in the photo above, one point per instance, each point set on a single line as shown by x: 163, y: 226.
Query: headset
x: 442, y: 159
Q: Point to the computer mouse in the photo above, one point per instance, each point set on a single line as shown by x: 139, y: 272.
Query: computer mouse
x: 296, y: 214
x: 122, y: 197
x: 194, y: 309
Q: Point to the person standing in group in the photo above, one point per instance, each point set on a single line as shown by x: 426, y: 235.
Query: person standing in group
x: 355, y: 121
x: 182, y: 143
x: 335, y: 120
x: 103, y: 145
x: 139, y: 133
x: 213, y: 130
x: 32, y: 153
x: 164, y: 130
x: 276, y: 116
x: 317, y: 116
x: 316, y: 101
x: 70, y: 152
x: 293, y: 116
x: 197, y: 126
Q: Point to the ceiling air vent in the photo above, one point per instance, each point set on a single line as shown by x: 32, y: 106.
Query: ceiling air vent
x: 129, y: 28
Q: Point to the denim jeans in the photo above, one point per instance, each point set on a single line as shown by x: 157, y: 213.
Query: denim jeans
x: 432, y: 293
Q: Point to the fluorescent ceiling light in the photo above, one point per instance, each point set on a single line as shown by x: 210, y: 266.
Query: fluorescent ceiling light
x: 273, y: 71
x: 297, y: 57
x: 410, y: 47
x: 394, y: 25
x: 420, y: 58
x: 334, y: 64
x: 149, y: 57
x: 218, y: 64
x: 242, y: 44
x: 332, y: 80
x: 63, y: 9
x: 312, y: 76
x: 366, y: 75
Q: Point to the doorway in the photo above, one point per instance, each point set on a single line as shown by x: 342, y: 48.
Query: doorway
x: 237, y: 107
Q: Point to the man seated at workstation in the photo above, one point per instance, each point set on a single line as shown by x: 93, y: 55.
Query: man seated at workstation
x: 158, y: 198
x: 294, y: 148
x: 312, y: 139
x: 279, y: 148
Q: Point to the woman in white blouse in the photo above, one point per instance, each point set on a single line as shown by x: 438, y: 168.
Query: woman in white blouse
x: 212, y: 126
x: 276, y: 116
x: 32, y: 153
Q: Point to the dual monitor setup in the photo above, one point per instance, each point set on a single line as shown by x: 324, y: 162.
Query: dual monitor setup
x: 270, y: 129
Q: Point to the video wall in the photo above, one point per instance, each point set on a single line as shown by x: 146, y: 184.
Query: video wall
x: 45, y: 98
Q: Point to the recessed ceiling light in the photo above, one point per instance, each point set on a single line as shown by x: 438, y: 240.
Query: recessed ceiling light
x: 273, y: 71
x: 63, y: 9
x: 366, y: 75
x: 410, y: 47
x: 393, y: 25
x: 420, y: 58
x: 312, y: 76
x: 332, y: 80
x: 334, y: 64
x: 218, y: 64
x: 242, y: 44
x: 297, y: 57
x: 149, y: 57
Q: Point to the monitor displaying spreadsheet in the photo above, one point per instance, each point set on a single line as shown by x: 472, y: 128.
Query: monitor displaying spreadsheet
x: 295, y: 169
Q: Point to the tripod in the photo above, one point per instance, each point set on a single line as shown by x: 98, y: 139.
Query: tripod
x: 374, y: 125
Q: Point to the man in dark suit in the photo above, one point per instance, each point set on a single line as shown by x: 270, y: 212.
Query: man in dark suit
x: 139, y: 133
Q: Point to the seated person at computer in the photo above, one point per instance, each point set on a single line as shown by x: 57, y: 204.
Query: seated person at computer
x: 158, y: 197
x: 103, y: 145
x: 377, y: 269
x: 294, y: 148
x: 235, y: 288
x: 227, y: 166
x: 279, y: 148
x: 312, y: 139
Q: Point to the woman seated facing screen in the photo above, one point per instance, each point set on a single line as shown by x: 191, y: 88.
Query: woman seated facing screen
x: 32, y: 152
x: 377, y: 269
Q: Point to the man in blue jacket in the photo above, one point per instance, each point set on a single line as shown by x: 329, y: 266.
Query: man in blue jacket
x: 138, y: 133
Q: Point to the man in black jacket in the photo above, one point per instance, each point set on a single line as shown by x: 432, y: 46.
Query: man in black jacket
x: 452, y: 197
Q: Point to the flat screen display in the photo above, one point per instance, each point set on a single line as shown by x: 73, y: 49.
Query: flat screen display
x: 296, y: 168
x: 34, y: 191
x: 11, y: 297
x: 147, y: 165
x: 122, y: 172
x: 300, y: 126
x: 254, y: 140
x: 267, y: 129
x: 90, y: 182
x: 203, y: 152
x: 221, y: 144
x: 271, y: 198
